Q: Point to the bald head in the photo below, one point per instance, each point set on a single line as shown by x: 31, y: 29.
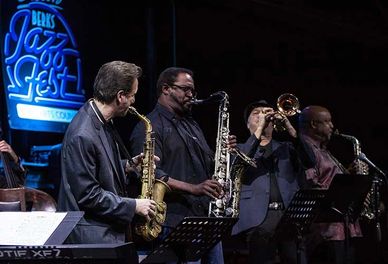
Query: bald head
x: 315, y: 121
x: 311, y: 113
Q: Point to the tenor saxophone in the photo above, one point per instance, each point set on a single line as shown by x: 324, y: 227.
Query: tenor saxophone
x: 238, y: 168
x: 227, y: 205
x: 151, y: 188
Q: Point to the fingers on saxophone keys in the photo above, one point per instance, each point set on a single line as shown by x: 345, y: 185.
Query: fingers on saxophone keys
x: 151, y: 210
x: 211, y: 192
x: 216, y: 189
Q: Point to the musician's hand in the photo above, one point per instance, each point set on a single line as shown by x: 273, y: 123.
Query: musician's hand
x: 210, y: 188
x: 259, y: 120
x: 135, y: 165
x: 232, y: 142
x: 5, y: 147
x: 146, y: 208
x: 137, y: 160
x: 291, y: 130
x: 358, y: 166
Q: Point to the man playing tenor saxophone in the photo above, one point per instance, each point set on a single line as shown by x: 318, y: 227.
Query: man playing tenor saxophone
x: 186, y: 161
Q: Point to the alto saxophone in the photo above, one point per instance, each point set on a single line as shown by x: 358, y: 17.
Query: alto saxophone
x: 362, y: 168
x: 227, y: 205
x: 151, y: 188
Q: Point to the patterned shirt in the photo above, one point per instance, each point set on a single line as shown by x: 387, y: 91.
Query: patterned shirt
x: 321, y: 176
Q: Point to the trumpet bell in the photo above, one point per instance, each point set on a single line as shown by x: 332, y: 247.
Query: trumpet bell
x: 288, y: 104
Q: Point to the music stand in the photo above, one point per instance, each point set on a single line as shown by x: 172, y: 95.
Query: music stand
x: 65, y: 227
x: 299, y: 215
x: 192, y: 238
x: 344, y: 201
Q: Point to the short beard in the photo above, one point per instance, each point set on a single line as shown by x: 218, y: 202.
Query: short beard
x: 181, y: 108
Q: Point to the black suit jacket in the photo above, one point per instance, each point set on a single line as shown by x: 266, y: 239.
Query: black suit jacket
x: 255, y: 191
x: 93, y: 182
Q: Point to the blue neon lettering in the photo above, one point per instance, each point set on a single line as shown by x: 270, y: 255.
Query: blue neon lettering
x: 41, y: 60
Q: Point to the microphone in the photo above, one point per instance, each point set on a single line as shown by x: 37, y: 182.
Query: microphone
x: 363, y: 157
x: 213, y: 98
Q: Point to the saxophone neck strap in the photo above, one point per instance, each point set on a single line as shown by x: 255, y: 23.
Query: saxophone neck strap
x: 121, y: 145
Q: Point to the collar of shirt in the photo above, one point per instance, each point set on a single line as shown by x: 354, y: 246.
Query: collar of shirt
x: 314, y: 142
x: 168, y: 114
x: 99, y: 114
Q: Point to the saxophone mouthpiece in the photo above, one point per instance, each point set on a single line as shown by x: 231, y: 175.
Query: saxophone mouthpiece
x: 132, y: 110
x: 213, y: 98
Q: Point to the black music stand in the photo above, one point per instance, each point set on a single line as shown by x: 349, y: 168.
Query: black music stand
x: 192, y: 238
x: 299, y: 215
x: 344, y: 201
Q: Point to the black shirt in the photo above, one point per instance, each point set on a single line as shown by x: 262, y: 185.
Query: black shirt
x: 274, y: 195
x: 184, y: 155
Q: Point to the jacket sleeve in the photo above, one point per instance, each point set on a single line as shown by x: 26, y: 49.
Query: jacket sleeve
x: 83, y: 165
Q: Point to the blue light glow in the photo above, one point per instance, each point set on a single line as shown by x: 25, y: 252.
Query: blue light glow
x: 42, y: 67
x: 44, y: 113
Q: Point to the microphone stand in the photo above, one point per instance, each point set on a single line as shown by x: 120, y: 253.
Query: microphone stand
x: 363, y: 157
x: 376, y: 183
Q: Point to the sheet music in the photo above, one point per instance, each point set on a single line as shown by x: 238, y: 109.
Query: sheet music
x: 28, y: 228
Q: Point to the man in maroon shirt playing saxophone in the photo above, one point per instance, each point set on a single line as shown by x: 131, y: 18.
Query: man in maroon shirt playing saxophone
x: 315, y: 131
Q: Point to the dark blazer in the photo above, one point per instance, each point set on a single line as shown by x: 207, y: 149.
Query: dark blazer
x: 92, y: 181
x: 255, y: 192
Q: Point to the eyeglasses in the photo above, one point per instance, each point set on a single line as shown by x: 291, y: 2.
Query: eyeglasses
x: 186, y: 89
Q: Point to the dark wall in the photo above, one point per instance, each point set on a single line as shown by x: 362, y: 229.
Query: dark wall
x: 330, y: 54
x: 255, y: 51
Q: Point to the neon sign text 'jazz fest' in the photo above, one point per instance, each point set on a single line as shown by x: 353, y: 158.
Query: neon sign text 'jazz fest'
x: 42, y: 63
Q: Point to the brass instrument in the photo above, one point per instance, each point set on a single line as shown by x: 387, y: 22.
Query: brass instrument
x: 238, y: 168
x: 287, y: 105
x: 362, y: 168
x: 219, y: 207
x: 227, y: 205
x: 151, y: 188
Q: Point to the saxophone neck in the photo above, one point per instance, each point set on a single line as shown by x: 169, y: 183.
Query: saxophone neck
x: 353, y: 139
x: 144, y: 119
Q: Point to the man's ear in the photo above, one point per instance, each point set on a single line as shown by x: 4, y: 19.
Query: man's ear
x: 313, y: 124
x: 165, y: 88
x: 119, y: 96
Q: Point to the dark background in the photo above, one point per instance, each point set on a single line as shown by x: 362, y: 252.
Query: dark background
x: 329, y: 53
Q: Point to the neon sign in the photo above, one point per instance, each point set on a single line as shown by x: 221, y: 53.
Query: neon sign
x: 41, y: 66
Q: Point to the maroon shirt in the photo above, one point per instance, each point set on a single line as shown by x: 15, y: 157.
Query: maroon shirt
x: 321, y: 175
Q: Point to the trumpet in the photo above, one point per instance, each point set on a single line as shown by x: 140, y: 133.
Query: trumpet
x: 287, y: 105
